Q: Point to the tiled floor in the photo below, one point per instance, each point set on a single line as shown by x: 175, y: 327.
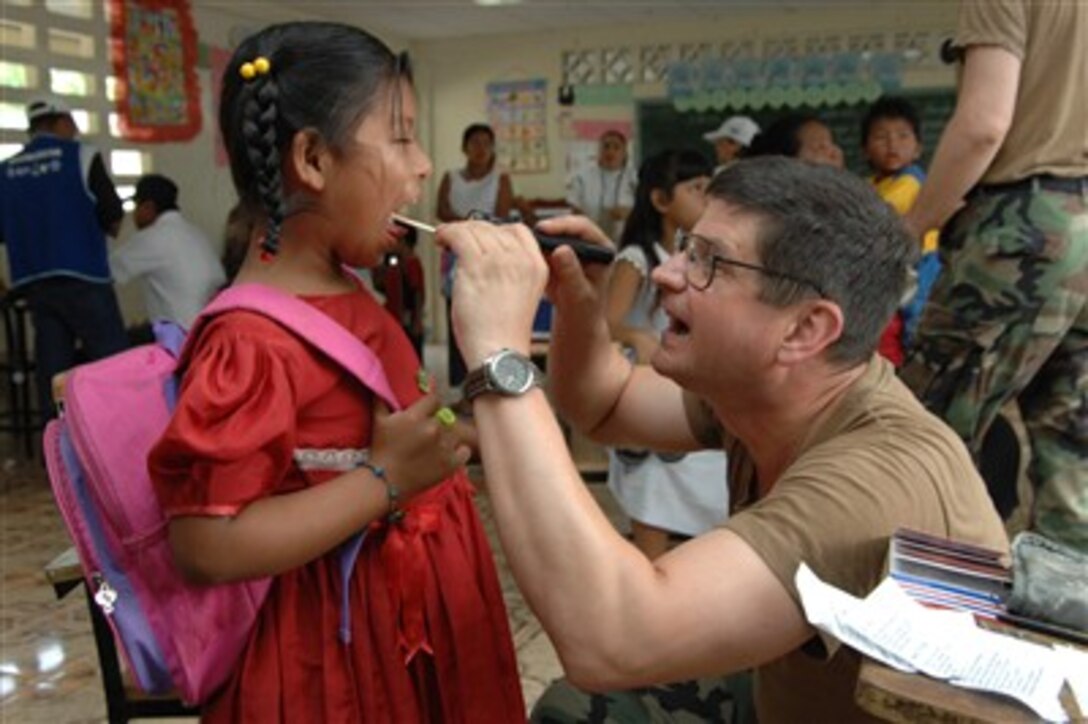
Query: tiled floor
x: 48, y: 669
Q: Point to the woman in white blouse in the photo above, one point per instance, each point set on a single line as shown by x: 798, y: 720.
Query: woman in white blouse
x: 604, y: 189
x: 478, y: 186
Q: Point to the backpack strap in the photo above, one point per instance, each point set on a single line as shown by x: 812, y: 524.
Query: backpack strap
x: 312, y: 325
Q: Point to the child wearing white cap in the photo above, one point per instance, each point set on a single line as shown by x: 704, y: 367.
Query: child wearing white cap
x: 730, y: 138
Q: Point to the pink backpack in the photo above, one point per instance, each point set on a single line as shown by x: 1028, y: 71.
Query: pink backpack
x: 173, y: 634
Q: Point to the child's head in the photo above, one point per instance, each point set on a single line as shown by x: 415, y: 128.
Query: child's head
x: 798, y: 135
x: 670, y: 196
x: 478, y: 143
x: 890, y: 135
x: 319, y: 117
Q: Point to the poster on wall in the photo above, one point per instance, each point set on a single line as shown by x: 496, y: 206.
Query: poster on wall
x: 154, y: 53
x: 516, y: 111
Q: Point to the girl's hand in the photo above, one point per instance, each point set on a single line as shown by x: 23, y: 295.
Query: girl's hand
x: 416, y: 450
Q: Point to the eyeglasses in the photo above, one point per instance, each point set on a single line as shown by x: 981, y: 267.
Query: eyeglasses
x: 702, y: 264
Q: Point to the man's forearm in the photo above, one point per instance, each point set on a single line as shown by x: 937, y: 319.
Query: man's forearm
x: 586, y: 372
x: 568, y: 560
x: 984, y: 112
x: 962, y: 157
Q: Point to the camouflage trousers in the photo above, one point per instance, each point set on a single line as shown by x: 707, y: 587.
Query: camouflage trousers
x: 724, y: 700
x: 1008, y: 319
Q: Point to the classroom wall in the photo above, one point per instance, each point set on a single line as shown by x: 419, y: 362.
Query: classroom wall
x: 454, y: 75
x: 206, y: 194
x: 452, y: 91
x: 451, y: 80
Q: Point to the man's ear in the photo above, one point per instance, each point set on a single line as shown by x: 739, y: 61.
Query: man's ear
x: 817, y: 326
x: 309, y: 160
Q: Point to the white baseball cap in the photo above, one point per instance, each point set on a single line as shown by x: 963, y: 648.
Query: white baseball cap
x: 47, y: 105
x: 741, y: 129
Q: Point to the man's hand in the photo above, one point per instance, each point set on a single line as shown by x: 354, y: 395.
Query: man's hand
x: 918, y: 225
x: 572, y: 284
x: 497, y: 287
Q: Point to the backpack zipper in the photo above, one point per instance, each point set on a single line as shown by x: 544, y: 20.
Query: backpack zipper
x: 105, y: 595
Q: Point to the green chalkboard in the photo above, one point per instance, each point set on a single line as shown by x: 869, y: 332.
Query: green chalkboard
x: 661, y: 126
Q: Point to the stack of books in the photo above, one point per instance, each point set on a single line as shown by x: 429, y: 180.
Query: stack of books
x: 947, y: 574
x: 944, y: 573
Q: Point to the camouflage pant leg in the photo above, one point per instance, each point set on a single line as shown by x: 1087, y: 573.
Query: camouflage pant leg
x: 726, y: 700
x: 1007, y: 320
x: 1055, y: 411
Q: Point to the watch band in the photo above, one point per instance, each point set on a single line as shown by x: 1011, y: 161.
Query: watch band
x: 476, y: 382
x: 489, y: 378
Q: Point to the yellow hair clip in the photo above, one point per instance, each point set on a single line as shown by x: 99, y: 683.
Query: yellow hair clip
x: 259, y: 66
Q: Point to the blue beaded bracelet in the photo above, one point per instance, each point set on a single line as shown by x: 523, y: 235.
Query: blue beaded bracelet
x: 392, y: 492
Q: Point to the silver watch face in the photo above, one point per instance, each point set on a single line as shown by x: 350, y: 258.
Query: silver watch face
x: 512, y: 374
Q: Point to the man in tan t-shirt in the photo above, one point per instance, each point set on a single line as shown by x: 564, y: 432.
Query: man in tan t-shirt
x: 1008, y: 318
x: 776, y: 304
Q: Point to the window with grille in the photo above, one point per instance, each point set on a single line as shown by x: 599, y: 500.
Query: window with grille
x: 62, y: 47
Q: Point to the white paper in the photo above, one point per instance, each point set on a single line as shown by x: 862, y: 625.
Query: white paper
x: 1075, y: 665
x: 1020, y: 669
x: 895, y: 629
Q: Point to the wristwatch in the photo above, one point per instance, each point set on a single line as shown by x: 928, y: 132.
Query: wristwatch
x: 506, y: 372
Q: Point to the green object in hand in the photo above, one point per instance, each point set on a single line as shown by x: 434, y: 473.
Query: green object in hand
x: 423, y: 381
x: 446, y: 416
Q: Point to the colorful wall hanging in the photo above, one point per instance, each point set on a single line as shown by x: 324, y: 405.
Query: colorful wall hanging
x: 825, y: 79
x: 516, y: 112
x: 154, y: 52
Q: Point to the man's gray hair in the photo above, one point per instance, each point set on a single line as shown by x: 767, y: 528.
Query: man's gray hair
x: 831, y: 228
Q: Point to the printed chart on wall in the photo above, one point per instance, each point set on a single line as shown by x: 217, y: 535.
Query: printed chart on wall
x: 516, y: 111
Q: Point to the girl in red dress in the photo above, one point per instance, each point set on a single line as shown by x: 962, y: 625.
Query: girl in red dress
x: 275, y: 456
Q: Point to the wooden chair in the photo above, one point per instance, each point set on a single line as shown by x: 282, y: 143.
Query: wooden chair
x: 123, y: 700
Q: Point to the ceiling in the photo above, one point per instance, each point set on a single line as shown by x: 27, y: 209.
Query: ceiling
x: 431, y: 19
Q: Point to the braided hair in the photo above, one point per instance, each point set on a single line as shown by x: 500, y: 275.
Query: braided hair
x: 316, y: 76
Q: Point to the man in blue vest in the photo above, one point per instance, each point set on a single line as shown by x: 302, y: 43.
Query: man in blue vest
x: 57, y: 204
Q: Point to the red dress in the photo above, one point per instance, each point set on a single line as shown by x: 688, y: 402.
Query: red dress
x: 430, y: 639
